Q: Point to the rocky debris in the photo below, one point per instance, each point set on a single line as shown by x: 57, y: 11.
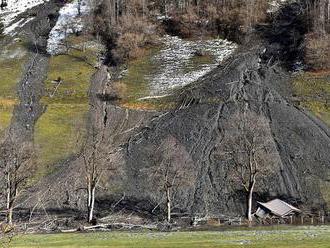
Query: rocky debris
x: 302, y: 144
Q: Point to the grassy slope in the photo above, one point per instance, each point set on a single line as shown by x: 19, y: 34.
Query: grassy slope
x: 10, y: 71
x: 134, y: 84
x: 59, y: 131
x: 302, y: 237
x: 313, y: 88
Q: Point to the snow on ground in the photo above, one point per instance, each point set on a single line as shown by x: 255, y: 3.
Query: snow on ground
x: 68, y: 22
x: 275, y: 5
x: 13, y: 9
x: 175, y: 58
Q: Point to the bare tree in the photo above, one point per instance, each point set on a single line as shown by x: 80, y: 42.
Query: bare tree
x: 17, y: 170
x: 98, y: 161
x: 249, y: 148
x: 172, y: 170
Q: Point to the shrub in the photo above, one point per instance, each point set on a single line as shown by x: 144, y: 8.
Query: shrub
x: 230, y: 18
x: 127, y: 36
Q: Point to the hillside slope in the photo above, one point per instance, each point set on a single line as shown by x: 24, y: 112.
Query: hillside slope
x: 254, y: 78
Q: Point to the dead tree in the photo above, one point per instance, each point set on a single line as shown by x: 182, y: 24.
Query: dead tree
x: 250, y: 151
x: 171, y: 171
x: 17, y: 169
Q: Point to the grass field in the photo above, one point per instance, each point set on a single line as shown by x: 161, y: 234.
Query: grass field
x: 302, y: 237
x: 314, y: 90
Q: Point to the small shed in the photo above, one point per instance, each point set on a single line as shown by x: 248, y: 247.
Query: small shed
x: 277, y: 208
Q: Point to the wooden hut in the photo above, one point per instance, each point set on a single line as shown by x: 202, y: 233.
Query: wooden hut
x: 276, y: 208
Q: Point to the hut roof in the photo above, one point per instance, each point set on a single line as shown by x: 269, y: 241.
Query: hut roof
x: 279, y: 207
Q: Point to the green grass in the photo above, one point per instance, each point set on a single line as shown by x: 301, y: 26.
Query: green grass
x: 134, y: 84
x: 60, y: 130
x: 59, y: 133
x: 196, y: 62
x: 6, y: 112
x: 313, y: 88
x: 75, y: 74
x: 135, y: 81
x: 302, y: 237
x: 11, y: 68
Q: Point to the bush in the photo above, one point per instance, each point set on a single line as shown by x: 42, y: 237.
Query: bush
x: 127, y: 36
x: 317, y: 52
x: 230, y: 19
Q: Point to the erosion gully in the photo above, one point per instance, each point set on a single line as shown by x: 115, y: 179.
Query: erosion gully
x: 30, y: 88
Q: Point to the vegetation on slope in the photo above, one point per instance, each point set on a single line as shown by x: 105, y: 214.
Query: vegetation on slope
x: 60, y: 130
x: 59, y: 133
x: 12, y: 61
x: 313, y: 91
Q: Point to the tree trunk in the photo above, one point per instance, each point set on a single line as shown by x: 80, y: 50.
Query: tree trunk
x: 250, y: 199
x: 89, y: 198
x: 10, y: 216
x: 168, y: 200
x: 9, y: 201
x: 91, y: 207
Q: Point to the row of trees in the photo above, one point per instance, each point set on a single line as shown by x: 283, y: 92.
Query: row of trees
x: 127, y: 26
x: 247, y: 148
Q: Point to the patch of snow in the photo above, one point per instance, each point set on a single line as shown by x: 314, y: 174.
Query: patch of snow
x: 13, y: 9
x: 11, y: 29
x: 153, y: 97
x: 175, y: 58
x: 69, y: 22
x: 275, y: 5
x: 163, y: 17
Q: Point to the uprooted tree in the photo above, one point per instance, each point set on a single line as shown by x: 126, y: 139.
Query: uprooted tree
x: 172, y: 170
x: 17, y: 170
x: 249, y: 149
